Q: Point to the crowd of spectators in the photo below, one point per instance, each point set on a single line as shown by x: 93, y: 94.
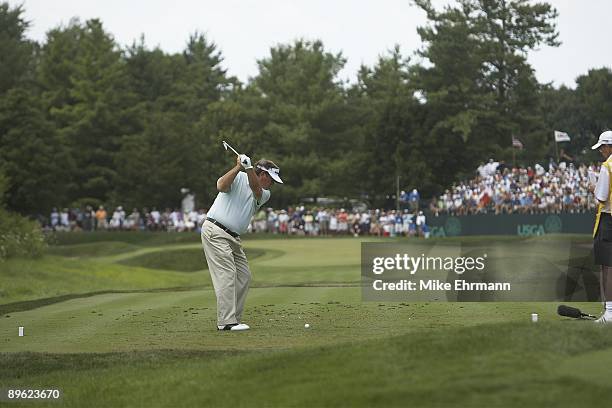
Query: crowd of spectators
x: 496, y: 189
x: 293, y: 221
x: 326, y: 221
x: 77, y: 219
x: 499, y: 189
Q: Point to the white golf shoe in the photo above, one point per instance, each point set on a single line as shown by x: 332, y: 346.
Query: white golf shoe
x: 234, y: 327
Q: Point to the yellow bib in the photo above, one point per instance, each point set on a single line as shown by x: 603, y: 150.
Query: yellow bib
x: 600, y: 206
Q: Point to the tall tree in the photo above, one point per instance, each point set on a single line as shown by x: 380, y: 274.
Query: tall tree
x: 594, y: 98
x: 15, y: 49
x: 583, y: 112
x: 392, y: 146
x: 480, y: 90
x: 310, y: 128
x: 174, y: 93
x: 34, y: 160
x: 84, y: 83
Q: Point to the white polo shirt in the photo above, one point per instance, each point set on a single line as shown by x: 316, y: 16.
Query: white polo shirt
x: 602, y: 188
x: 235, y: 208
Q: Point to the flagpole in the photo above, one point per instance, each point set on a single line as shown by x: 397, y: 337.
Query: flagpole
x: 557, y: 150
x: 513, y: 153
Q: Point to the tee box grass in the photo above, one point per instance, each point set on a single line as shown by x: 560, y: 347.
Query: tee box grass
x: 129, y: 320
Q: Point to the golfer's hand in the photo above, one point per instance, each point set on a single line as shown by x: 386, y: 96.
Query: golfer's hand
x: 245, y: 162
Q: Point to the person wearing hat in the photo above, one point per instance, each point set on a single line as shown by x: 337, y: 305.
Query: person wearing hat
x: 242, y: 191
x: 602, y: 233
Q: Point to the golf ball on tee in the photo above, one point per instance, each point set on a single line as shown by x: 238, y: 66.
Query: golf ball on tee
x: 306, y: 326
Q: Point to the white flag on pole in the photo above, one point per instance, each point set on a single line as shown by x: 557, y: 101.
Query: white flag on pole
x: 516, y: 143
x: 561, y: 137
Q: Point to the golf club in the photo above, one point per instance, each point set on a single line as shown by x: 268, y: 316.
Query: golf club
x: 227, y: 146
x: 573, y: 312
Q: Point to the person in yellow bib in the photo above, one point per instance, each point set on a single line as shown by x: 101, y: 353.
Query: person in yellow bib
x: 602, y: 233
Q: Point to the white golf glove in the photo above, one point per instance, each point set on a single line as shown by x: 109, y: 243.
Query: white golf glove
x: 245, y: 161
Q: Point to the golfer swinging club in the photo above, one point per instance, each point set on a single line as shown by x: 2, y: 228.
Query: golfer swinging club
x: 602, y: 234
x: 240, y: 195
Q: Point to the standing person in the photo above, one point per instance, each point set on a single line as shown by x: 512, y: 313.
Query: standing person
x: 156, y: 219
x: 283, y: 220
x: 323, y: 220
x: 101, y: 218
x: 602, y: 233
x: 65, y: 220
x: 55, y: 219
x: 240, y: 195
x: 308, y: 223
x: 414, y: 198
x: 333, y: 222
x: 342, y: 222
x: 420, y: 224
x: 272, y: 221
x: 133, y: 220
x: 117, y: 219
x: 88, y: 218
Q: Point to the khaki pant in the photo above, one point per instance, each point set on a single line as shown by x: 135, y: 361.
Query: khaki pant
x: 229, y: 271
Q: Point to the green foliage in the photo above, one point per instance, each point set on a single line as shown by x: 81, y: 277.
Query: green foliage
x: 166, y: 150
x: 19, y: 237
x: 83, y: 121
x: 584, y: 112
x: 31, y: 155
x: 4, y: 184
x: 593, y: 95
x: 88, y: 102
x: 480, y: 90
x: 15, y: 50
x: 391, y: 117
x: 295, y: 113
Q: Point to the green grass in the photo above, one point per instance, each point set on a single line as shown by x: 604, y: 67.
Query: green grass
x: 182, y: 260
x: 51, y: 276
x: 353, y: 355
x: 273, y: 263
x: 139, y: 345
x: 94, y: 249
x: 136, y: 238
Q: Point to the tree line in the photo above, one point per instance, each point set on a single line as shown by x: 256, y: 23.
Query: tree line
x: 86, y: 121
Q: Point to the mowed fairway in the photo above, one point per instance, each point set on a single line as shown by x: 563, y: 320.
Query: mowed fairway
x: 129, y: 320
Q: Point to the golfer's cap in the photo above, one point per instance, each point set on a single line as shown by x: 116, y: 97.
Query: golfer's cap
x: 604, y: 139
x: 273, y: 172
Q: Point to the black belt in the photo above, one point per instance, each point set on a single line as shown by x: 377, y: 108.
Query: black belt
x: 223, y: 227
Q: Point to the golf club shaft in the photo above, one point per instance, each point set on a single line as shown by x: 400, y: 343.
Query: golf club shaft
x: 228, y: 146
